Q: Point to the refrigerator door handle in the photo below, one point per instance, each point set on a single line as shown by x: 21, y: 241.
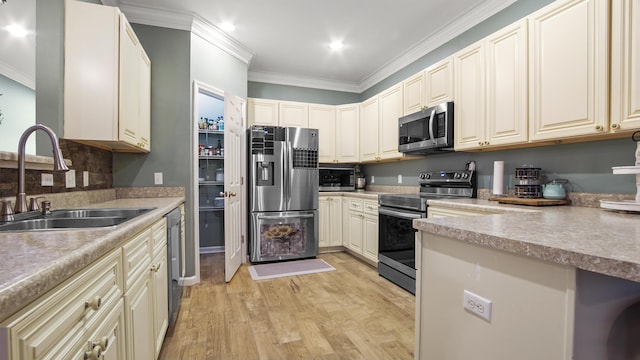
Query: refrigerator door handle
x: 276, y: 217
x: 288, y: 171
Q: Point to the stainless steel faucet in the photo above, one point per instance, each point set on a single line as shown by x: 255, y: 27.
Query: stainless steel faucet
x: 58, y: 162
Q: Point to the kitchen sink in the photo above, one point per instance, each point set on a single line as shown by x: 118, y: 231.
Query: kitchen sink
x: 72, y: 219
x: 100, y: 213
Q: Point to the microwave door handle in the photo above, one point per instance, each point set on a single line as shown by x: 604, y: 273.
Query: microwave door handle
x: 433, y: 113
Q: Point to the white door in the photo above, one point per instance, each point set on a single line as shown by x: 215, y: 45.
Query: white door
x: 233, y: 135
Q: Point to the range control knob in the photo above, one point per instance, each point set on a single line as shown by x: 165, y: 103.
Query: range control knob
x: 423, y: 176
x: 465, y: 175
x: 457, y: 175
x: 427, y: 175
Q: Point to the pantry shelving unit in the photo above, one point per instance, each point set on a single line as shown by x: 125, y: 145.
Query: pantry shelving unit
x: 210, y: 160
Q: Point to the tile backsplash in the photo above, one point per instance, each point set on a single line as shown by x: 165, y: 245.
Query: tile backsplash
x: 98, y: 162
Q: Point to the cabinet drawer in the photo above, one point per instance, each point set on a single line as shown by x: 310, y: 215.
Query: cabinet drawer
x: 63, y: 315
x: 159, y: 230
x: 356, y: 204
x: 136, y: 257
x: 371, y: 207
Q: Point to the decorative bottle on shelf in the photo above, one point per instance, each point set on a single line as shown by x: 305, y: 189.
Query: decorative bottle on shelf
x: 221, y: 123
x: 219, y: 147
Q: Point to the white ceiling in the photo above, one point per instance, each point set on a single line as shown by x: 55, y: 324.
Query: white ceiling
x: 286, y: 41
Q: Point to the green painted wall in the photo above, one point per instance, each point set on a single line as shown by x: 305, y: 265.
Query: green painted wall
x: 295, y: 93
x: 17, y: 112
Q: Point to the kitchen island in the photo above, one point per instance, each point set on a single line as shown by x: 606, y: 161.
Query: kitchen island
x: 552, y: 275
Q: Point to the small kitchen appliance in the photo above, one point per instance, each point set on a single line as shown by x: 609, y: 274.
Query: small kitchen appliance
x: 283, y: 193
x: 627, y: 205
x: 428, y: 130
x: 528, y: 182
x: 396, y: 235
x: 336, y: 178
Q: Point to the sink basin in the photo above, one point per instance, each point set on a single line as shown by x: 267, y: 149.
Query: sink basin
x: 92, y: 213
x: 72, y: 219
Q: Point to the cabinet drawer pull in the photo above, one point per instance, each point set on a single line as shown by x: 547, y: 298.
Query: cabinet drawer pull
x: 93, y: 354
x: 156, y: 267
x: 615, y: 126
x: 102, y: 344
x: 94, y: 303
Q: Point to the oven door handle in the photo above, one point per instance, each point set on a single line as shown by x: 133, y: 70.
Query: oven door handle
x: 400, y: 214
x: 276, y: 217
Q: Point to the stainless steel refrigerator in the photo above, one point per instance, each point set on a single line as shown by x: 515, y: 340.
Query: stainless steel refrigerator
x: 283, y: 193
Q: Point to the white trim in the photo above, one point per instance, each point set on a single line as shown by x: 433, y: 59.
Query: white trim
x: 190, y: 280
x: 209, y: 32
x: 308, y: 82
x: 440, y: 37
x: 17, y: 76
x: 211, y: 249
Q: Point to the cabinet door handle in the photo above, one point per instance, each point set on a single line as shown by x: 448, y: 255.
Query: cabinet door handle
x: 93, y: 354
x: 94, y: 303
x: 615, y: 126
x: 156, y: 267
x: 598, y: 127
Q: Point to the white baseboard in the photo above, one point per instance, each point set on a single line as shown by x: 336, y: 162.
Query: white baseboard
x: 211, y: 249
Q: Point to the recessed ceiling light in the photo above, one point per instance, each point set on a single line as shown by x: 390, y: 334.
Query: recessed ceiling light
x: 227, y: 26
x: 17, y: 30
x: 336, y: 45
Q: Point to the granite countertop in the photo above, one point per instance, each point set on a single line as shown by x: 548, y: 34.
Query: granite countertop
x: 592, y: 239
x: 368, y: 195
x: 34, y: 262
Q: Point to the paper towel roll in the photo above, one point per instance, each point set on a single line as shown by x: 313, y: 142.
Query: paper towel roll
x: 498, y: 177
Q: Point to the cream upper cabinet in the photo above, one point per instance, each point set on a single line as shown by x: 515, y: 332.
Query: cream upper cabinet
x: 506, y: 83
x: 469, y: 95
x: 293, y: 114
x: 262, y: 112
x: 439, y: 82
x: 625, y: 65
x: 414, y: 93
x: 369, y: 125
x: 491, y: 90
x: 323, y: 118
x: 568, y: 69
x: 391, y: 108
x: 106, y: 80
x: 347, y: 133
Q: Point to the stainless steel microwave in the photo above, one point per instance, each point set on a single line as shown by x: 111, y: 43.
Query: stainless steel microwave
x: 428, y: 130
x: 334, y: 178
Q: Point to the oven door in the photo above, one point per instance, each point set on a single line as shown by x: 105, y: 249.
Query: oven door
x: 396, y: 245
x: 284, y: 235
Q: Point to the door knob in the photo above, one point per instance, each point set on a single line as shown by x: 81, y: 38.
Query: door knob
x: 223, y: 194
x: 231, y: 193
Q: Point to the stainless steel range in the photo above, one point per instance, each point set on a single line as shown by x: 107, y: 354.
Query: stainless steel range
x: 396, y: 235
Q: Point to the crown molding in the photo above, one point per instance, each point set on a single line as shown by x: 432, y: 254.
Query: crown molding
x: 189, y: 22
x: 440, y: 37
x: 302, y: 81
x: 219, y: 38
x: 17, y: 76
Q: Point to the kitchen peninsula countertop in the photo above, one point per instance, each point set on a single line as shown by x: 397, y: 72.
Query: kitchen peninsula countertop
x: 34, y: 262
x: 591, y: 239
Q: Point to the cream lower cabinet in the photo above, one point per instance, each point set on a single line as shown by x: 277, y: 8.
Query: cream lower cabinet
x: 107, y: 80
x: 361, y: 227
x: 330, y: 214
x: 116, y: 308
x: 514, y: 284
x: 625, y: 65
x: 146, y: 296
x: 569, y: 69
x: 63, y: 321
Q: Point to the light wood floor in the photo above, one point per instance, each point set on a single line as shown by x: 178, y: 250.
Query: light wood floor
x: 350, y: 313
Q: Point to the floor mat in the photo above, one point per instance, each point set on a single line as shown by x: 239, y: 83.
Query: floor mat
x: 288, y: 268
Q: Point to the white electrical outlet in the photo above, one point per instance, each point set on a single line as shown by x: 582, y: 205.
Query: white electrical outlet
x: 85, y: 178
x: 157, y: 178
x: 399, y: 179
x: 47, y: 179
x: 477, y: 305
x: 372, y: 179
x: 70, y: 179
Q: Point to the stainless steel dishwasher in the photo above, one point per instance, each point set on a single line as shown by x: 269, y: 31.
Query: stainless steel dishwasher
x: 174, y: 268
